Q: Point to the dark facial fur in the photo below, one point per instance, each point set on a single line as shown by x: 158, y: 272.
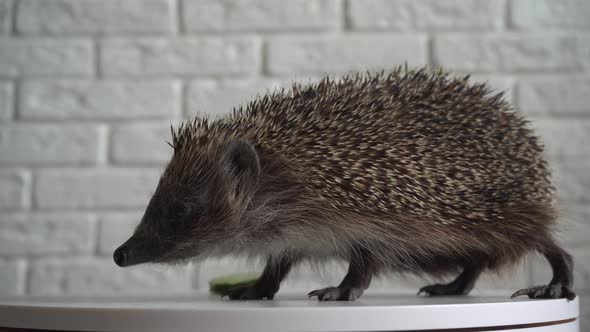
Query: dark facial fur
x: 405, y: 171
x: 196, y: 210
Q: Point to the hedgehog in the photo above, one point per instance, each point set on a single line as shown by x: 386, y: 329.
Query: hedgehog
x: 401, y: 171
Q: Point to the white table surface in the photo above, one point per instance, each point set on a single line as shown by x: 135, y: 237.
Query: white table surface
x: 286, y: 313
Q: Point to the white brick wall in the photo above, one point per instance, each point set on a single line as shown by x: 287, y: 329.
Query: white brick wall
x: 44, y: 144
x: 309, y: 54
x: 98, y: 100
x: 94, y: 188
x: 88, y: 89
x: 43, y: 234
x: 184, y: 56
x: 261, y: 15
x: 140, y: 143
x: 92, y: 17
x: 507, y: 52
x: 28, y: 57
x: 426, y: 14
x: 569, y: 14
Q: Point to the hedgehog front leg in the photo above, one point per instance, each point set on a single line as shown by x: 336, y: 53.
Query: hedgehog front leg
x: 357, y: 279
x: 268, y: 284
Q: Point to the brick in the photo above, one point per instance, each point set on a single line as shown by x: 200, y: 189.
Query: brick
x: 48, y: 144
x: 565, y: 140
x: 46, y: 234
x: 12, y: 277
x: 574, y: 226
x: 572, y: 182
x: 81, y: 99
x: 542, y: 270
x: 141, y: 143
x: 319, y: 54
x: 102, y: 276
x: 217, y: 98
x: 5, y: 16
x: 15, y: 186
x: 95, y: 188
x: 555, y: 95
x: 261, y: 15
x: 428, y: 14
x: 544, y: 14
x: 114, y: 229
x: 180, y: 56
x: 103, y: 17
x: 6, y: 101
x: 45, y: 57
x: 507, y: 53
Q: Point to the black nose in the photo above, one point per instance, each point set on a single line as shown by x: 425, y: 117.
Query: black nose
x: 120, y: 256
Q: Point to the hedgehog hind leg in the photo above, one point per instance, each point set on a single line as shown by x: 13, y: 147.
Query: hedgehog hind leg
x: 462, y: 285
x: 560, y: 285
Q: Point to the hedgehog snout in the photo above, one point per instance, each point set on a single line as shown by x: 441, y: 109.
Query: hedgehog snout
x: 120, y: 256
x: 138, y: 250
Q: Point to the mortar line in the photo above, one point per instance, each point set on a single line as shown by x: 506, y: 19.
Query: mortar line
x: 430, y: 62
x: 184, y: 111
x: 178, y: 18
x: 96, y: 50
x: 27, y: 277
x: 345, y: 21
x: 97, y: 229
x: 506, y: 14
x: 15, y: 86
x: 13, y: 13
x: 28, y: 203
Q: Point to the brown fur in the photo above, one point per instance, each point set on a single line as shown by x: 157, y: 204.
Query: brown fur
x: 426, y: 172
x: 415, y: 158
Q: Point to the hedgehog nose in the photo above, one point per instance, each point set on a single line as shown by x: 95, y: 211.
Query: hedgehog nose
x: 120, y: 256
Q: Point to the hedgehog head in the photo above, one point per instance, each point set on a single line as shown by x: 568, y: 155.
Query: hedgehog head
x: 198, y: 201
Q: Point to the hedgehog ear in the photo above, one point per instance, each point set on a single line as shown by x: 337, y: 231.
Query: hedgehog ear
x: 242, y: 160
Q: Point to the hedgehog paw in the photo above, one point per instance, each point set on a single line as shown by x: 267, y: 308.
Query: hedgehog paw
x: 555, y: 291
x: 249, y: 293
x: 440, y: 290
x: 337, y: 293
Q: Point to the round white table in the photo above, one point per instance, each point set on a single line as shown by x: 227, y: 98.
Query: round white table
x: 290, y: 313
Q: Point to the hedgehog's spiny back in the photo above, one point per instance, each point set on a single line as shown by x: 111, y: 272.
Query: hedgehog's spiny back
x: 408, y: 141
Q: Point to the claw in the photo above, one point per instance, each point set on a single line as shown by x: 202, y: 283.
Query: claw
x: 555, y: 291
x: 314, y: 293
x: 337, y: 293
x: 520, y: 292
x: 424, y: 290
